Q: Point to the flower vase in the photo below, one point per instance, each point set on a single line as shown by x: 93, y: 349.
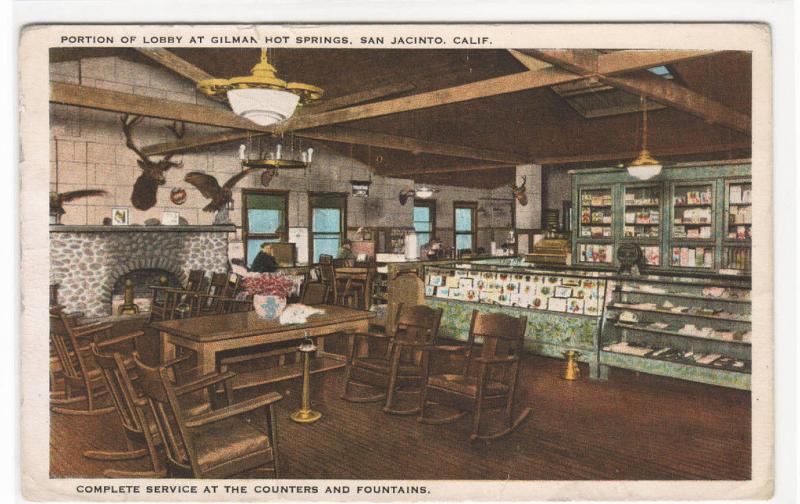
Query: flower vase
x: 269, y: 307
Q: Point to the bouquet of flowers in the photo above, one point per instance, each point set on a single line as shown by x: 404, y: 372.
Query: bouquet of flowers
x: 269, y: 284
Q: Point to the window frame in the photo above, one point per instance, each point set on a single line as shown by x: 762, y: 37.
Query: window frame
x: 431, y: 205
x: 247, y: 235
x: 473, y: 207
x: 342, y: 222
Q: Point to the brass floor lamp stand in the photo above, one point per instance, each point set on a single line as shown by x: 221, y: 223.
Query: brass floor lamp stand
x: 305, y: 414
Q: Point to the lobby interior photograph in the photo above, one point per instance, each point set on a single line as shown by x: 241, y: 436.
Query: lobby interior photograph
x: 427, y: 264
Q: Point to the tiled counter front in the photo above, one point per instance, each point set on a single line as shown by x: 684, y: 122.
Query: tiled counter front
x: 556, y: 306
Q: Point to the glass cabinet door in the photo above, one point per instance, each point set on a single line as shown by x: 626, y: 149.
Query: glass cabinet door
x: 642, y: 220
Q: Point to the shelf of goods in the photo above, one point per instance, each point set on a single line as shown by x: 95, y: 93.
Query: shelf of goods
x: 690, y: 328
x: 694, y: 217
x: 563, y: 307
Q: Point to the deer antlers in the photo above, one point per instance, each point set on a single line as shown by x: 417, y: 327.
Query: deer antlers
x: 145, y: 188
x: 519, y: 191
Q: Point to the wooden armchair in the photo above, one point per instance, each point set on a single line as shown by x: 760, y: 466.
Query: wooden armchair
x: 207, y: 303
x: 314, y: 293
x: 487, y: 378
x: 339, y: 290
x: 195, y: 281
x: 138, y: 429
x: 219, y: 443
x: 83, y: 381
x: 398, y: 362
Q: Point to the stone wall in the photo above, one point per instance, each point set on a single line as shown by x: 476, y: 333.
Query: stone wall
x: 87, y: 262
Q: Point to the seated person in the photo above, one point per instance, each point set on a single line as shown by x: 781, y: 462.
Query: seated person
x: 346, y: 250
x: 264, y: 262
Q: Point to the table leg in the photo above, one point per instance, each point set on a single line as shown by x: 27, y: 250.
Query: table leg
x: 206, y: 360
x: 167, y: 348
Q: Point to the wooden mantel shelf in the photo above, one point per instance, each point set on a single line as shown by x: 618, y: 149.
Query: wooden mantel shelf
x: 57, y: 228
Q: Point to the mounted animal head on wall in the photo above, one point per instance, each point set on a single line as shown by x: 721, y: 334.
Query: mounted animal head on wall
x: 152, y: 176
x: 519, y: 191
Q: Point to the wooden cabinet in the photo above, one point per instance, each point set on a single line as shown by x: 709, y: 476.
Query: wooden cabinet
x: 692, y: 218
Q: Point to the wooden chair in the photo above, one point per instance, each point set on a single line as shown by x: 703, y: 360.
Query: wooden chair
x: 83, y: 381
x: 195, y: 281
x: 138, y: 427
x: 487, y: 378
x: 314, y: 293
x: 220, y: 443
x: 399, y: 363
x: 207, y: 302
x: 339, y: 291
x: 363, y: 288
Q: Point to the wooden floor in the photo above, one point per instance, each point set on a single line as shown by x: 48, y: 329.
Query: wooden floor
x: 633, y: 426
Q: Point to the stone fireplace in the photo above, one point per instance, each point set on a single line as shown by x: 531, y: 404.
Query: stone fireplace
x: 90, y: 262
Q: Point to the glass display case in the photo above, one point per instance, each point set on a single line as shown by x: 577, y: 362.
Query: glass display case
x: 689, y: 328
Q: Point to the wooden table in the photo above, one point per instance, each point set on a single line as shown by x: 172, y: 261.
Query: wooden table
x: 207, y: 336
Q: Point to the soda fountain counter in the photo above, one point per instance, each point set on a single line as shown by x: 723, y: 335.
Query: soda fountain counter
x: 695, y: 327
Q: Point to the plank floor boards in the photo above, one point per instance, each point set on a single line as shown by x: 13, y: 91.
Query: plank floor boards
x: 634, y: 426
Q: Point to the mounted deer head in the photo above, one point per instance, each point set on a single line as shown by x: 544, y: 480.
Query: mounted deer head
x: 519, y: 191
x: 146, y: 185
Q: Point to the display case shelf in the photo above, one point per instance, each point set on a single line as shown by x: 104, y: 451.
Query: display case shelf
x: 716, y: 331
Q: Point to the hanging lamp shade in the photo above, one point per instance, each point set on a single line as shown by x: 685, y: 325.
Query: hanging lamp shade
x: 644, y: 167
x: 261, y: 97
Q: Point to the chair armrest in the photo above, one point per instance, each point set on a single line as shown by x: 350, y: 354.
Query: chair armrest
x: 371, y: 335
x: 89, y: 329
x: 449, y: 348
x: 203, y: 382
x: 497, y: 360
x: 233, y: 410
x: 416, y: 344
x: 120, y: 339
x: 176, y: 360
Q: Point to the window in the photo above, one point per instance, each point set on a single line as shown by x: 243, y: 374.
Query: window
x: 264, y: 219
x: 328, y: 224
x: 464, y: 214
x: 424, y: 221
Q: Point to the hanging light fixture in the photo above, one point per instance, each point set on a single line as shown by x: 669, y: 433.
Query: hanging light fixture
x: 424, y: 192
x: 261, y: 97
x: 276, y: 152
x: 644, y: 167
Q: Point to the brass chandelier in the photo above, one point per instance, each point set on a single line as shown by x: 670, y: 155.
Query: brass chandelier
x: 261, y: 97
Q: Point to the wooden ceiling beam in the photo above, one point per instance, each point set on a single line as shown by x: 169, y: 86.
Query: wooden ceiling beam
x: 657, y: 152
x: 175, y: 63
x: 682, y: 98
x: 415, y: 145
x: 126, y: 103
x: 347, y: 136
x: 444, y: 169
x: 653, y: 87
x: 456, y: 94
x: 637, y: 59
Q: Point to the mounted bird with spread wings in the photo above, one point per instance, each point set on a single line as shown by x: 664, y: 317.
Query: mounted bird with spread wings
x: 210, y: 188
x: 57, y: 200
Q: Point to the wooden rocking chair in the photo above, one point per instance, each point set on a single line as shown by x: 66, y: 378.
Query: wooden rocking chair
x: 138, y: 427
x: 83, y: 380
x: 219, y: 443
x: 402, y: 362
x: 487, y: 380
